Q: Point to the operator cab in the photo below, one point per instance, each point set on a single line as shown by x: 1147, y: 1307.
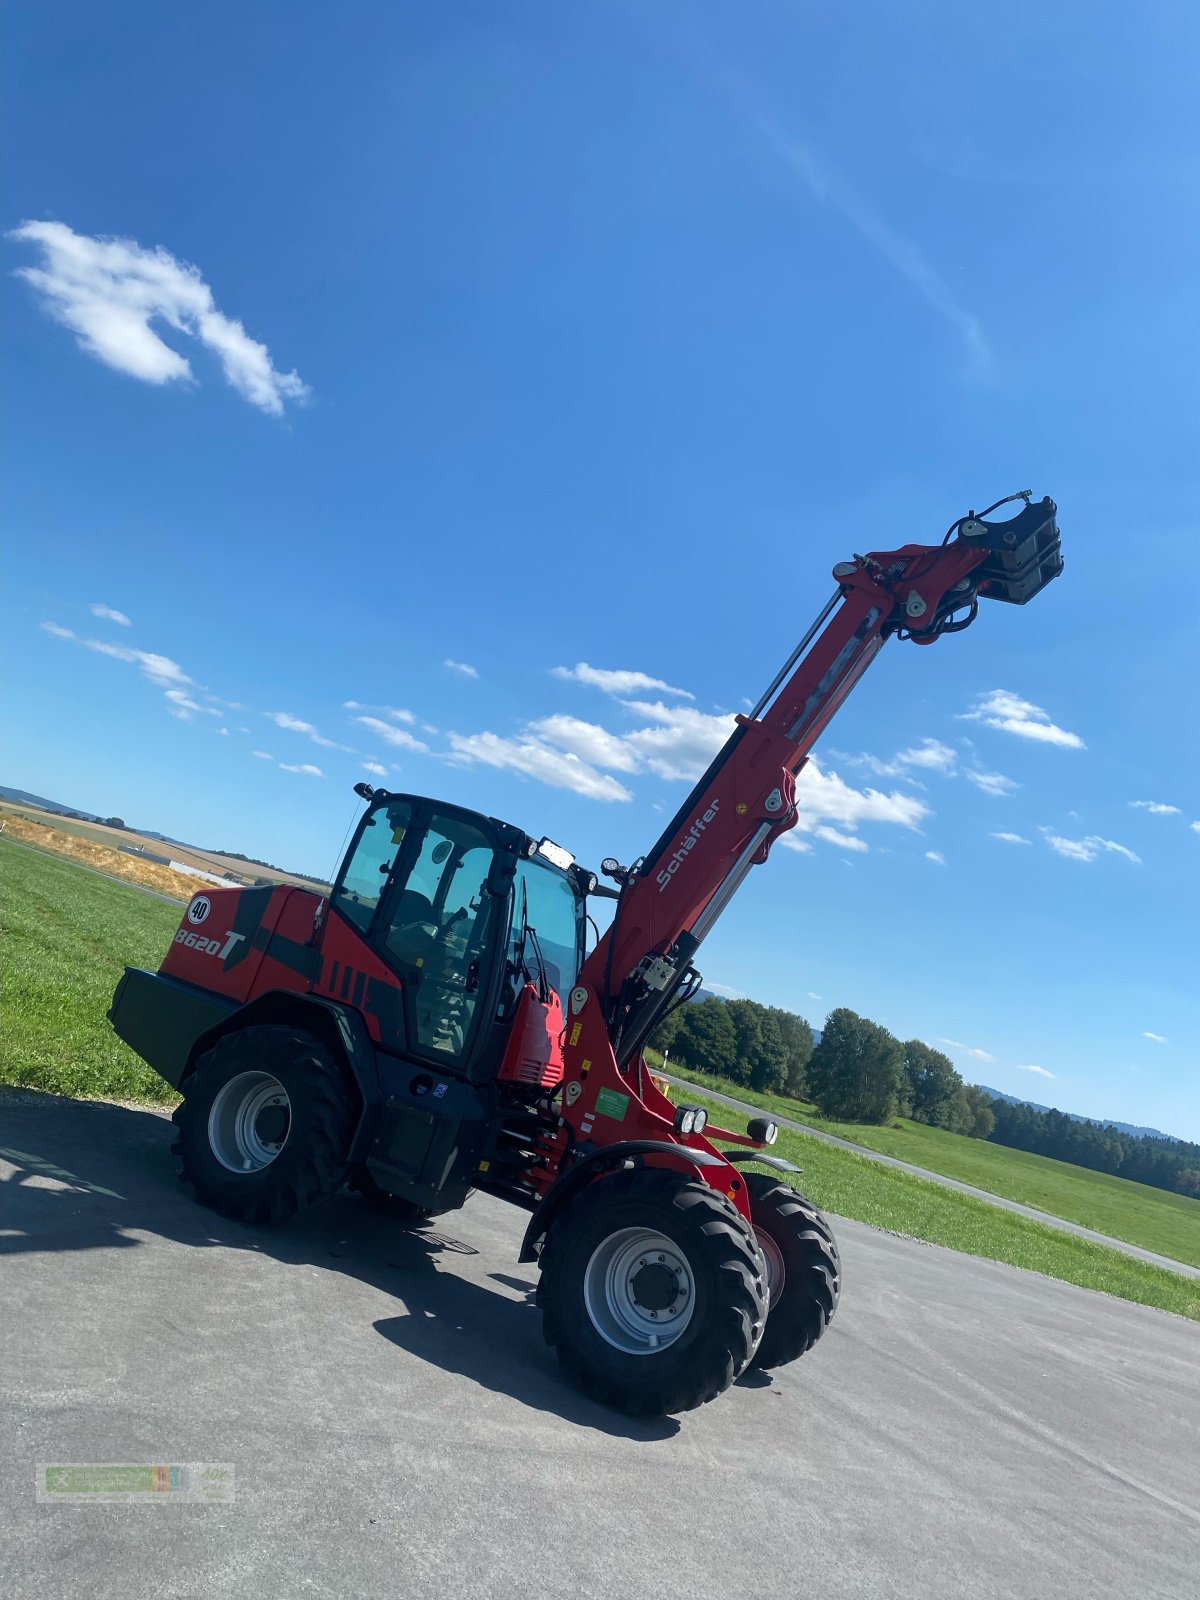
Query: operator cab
x: 468, y: 913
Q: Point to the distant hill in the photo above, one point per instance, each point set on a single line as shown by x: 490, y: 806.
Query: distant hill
x: 22, y: 797
x: 1097, y: 1122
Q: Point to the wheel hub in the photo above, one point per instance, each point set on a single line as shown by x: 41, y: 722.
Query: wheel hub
x: 639, y: 1291
x: 249, y: 1122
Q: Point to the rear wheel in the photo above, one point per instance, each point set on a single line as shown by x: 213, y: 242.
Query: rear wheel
x: 804, y: 1270
x: 265, y: 1124
x: 653, y: 1291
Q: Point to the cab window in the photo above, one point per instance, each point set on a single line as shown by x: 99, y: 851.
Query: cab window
x: 365, y: 875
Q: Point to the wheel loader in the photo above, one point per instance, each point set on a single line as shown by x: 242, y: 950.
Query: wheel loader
x: 435, y: 1025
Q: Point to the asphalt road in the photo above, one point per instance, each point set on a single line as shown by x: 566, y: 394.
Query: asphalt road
x: 1060, y: 1223
x: 397, y: 1427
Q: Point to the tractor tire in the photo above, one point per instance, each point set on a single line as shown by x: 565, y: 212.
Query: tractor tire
x: 265, y: 1124
x: 653, y: 1291
x: 383, y: 1203
x: 804, y: 1269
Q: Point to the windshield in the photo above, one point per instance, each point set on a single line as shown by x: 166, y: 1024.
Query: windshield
x: 545, y: 902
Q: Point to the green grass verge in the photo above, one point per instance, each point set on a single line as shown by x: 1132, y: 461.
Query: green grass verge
x: 851, y: 1185
x: 65, y: 937
x: 1168, y: 1224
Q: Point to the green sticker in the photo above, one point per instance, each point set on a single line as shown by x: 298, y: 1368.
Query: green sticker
x: 611, y: 1104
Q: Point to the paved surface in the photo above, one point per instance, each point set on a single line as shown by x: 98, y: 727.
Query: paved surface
x: 398, y: 1428
x: 949, y: 1183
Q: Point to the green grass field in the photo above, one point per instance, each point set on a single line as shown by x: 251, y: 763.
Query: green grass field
x: 1168, y: 1224
x: 65, y: 936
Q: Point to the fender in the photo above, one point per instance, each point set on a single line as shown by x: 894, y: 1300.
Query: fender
x: 588, y: 1167
x: 333, y: 1023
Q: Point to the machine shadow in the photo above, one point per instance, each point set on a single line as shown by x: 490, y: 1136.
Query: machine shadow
x: 91, y: 1175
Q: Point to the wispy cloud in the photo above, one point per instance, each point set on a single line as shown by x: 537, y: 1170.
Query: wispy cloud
x: 536, y: 759
x: 393, y: 713
x: 263, y: 755
x: 1042, y: 1072
x: 291, y: 724
x: 830, y: 188
x: 109, y: 615
x: 990, y: 782
x: 930, y: 755
x: 618, y: 681
x: 1157, y: 1037
x: 399, y: 738
x: 935, y: 856
x: 1194, y: 826
x: 109, y: 291
x: 1011, y: 714
x: 813, y: 996
x: 973, y: 1051
x: 1090, y: 848
x: 161, y: 671
x: 1012, y: 838
x: 587, y: 740
x: 463, y: 668
x: 1156, y: 808
x: 304, y: 767
x: 844, y: 841
x: 374, y: 769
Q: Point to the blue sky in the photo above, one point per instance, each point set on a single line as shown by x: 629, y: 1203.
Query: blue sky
x: 364, y: 340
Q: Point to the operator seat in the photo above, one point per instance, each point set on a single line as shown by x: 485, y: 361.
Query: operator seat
x: 413, y: 928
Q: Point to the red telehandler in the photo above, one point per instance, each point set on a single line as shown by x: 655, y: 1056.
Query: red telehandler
x: 434, y: 1026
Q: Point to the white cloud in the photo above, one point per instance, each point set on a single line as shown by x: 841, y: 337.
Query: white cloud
x: 617, y: 681
x: 373, y: 769
x: 844, y: 841
x: 164, y: 673
x: 399, y: 737
x: 930, y: 755
x: 935, y: 856
x: 528, y: 755
x: 973, y: 1051
x: 1157, y: 1037
x: 1041, y: 1071
x: 1195, y: 826
x: 306, y: 768
x: 224, y: 732
x: 1156, y: 808
x: 1012, y: 838
x: 109, y: 615
x: 796, y: 841
x: 394, y: 713
x: 463, y: 667
x: 813, y: 996
x: 1010, y: 714
x: 681, y: 741
x: 285, y: 720
x: 588, y: 741
x: 263, y: 755
x: 185, y: 708
x: 989, y: 782
x: 1088, y: 849
x: 109, y: 291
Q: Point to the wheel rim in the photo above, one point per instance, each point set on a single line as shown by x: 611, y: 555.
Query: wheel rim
x: 639, y: 1291
x: 249, y: 1122
x: 776, y: 1271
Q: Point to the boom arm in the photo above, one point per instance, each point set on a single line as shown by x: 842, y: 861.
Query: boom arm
x: 671, y: 898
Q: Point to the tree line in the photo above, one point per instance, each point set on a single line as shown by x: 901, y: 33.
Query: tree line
x: 859, y: 1072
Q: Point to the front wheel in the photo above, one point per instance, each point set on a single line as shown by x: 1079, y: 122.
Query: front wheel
x: 265, y: 1124
x: 653, y: 1291
x: 804, y: 1269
